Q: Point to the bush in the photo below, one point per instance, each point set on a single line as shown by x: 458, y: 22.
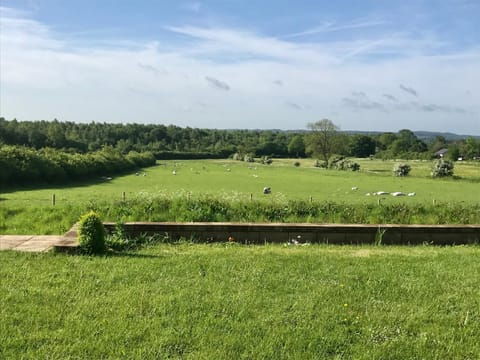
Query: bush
x: 266, y: 160
x: 91, y: 234
x: 442, y: 168
x: 401, y: 169
x: 296, y: 163
x: 342, y: 163
x: 320, y: 164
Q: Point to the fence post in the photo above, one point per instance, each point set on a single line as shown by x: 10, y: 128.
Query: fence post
x: 123, y: 196
x: 53, y: 199
x: 311, y: 198
x: 251, y: 196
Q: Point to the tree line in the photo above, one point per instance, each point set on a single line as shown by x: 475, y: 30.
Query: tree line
x: 173, y: 142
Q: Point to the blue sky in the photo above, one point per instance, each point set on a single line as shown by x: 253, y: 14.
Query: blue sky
x: 366, y: 65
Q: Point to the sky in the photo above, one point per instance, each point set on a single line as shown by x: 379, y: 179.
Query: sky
x: 369, y: 65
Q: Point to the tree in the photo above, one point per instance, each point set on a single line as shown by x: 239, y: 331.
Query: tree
x: 296, y: 146
x: 361, y: 146
x: 322, y: 140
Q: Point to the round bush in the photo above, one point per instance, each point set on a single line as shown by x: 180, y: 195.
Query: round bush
x: 442, y: 168
x: 401, y: 169
x: 91, y: 234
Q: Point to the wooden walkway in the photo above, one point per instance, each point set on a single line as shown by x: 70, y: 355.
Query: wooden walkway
x: 40, y: 243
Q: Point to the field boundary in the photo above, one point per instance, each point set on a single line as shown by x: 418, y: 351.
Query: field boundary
x: 261, y: 233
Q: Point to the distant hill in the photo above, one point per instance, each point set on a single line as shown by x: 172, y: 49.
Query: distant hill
x: 422, y: 135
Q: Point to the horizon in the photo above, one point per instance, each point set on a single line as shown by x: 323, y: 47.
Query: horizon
x: 373, y: 66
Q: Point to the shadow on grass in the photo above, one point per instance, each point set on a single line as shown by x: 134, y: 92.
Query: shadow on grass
x: 95, y: 180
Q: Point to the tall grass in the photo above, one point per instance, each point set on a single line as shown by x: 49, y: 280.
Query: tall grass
x: 209, y: 208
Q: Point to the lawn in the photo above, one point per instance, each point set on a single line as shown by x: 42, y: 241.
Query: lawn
x: 31, y: 210
x: 227, y: 301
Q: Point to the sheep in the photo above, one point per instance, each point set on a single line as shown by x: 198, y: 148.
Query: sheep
x: 267, y: 190
x: 354, y: 188
x: 411, y: 194
x: 397, y: 193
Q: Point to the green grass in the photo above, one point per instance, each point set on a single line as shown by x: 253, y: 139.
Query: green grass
x: 30, y: 210
x: 230, y: 302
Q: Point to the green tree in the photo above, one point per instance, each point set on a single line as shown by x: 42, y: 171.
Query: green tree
x: 323, y: 139
x: 296, y: 146
x: 361, y: 146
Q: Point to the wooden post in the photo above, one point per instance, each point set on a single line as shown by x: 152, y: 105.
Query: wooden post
x: 311, y: 198
x: 53, y: 199
x: 251, y: 196
x: 434, y: 202
x: 123, y: 196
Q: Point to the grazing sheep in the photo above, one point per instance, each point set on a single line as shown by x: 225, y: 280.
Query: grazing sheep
x: 267, y: 190
x: 411, y: 194
x: 381, y: 193
x: 397, y: 193
x: 354, y: 188
x: 174, y: 172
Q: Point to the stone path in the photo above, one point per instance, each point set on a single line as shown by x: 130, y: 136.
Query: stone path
x: 40, y: 243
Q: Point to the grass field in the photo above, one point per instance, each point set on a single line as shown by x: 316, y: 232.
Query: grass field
x: 27, y: 210
x: 232, y: 302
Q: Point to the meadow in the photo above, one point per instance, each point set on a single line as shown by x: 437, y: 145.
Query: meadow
x: 227, y: 190
x: 230, y: 301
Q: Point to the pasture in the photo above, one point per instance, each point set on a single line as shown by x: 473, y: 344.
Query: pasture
x: 232, y: 182
x: 229, y: 301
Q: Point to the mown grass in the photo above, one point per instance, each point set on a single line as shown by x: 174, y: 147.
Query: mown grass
x: 227, y: 301
x: 222, y: 190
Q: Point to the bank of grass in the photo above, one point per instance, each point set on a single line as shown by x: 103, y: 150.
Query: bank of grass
x: 228, y: 301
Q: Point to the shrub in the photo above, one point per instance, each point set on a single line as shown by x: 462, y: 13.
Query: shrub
x: 91, y: 234
x: 266, y: 160
x: 248, y: 158
x: 442, y: 168
x: 342, y: 163
x: 401, y: 169
x: 296, y: 163
x: 320, y: 164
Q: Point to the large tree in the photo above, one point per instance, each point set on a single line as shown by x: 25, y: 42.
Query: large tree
x: 322, y: 141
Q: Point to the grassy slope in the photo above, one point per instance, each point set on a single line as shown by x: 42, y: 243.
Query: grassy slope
x: 227, y: 301
x: 26, y: 211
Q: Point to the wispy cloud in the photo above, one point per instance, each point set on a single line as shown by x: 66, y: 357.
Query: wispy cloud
x: 293, y: 105
x: 217, y: 84
x: 390, y: 97
x: 408, y: 90
x: 331, y: 27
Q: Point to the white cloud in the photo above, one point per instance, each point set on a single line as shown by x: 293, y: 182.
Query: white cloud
x: 47, y: 75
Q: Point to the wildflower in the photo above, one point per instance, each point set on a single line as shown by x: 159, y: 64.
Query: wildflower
x: 345, y: 305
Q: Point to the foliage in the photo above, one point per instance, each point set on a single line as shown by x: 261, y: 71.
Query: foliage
x: 266, y: 160
x: 401, y: 169
x: 342, y: 163
x: 91, y: 234
x: 323, y: 139
x: 442, y: 168
x: 296, y: 146
x: 296, y: 163
x: 22, y: 165
x: 361, y: 146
